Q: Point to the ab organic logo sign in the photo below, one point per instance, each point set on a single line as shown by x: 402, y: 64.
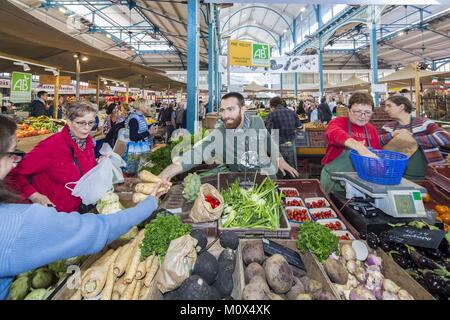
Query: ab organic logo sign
x: 260, y: 54
x: 20, y: 87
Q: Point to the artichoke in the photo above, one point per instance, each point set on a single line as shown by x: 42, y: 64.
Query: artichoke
x: 192, y: 184
x: 19, y: 288
x: 38, y: 294
x: 42, y: 278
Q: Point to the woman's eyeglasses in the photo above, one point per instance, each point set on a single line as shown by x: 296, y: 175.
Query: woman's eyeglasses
x: 16, y: 156
x: 82, y: 124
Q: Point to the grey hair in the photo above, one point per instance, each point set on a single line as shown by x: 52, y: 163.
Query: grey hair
x: 140, y: 103
x: 79, y: 109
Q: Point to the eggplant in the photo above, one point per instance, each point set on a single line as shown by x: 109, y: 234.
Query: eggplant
x: 402, y: 261
x: 386, y: 245
x: 423, y: 262
x: 373, y: 240
x: 436, y: 284
x: 433, y: 254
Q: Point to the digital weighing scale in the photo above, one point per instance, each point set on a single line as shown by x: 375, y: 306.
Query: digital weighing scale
x: 400, y: 201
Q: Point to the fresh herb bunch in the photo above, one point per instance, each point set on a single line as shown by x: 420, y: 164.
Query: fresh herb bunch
x: 318, y: 239
x: 160, y: 232
x: 159, y: 159
x: 259, y: 207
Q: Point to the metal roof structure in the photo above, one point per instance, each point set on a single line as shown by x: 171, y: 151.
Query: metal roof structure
x: 154, y: 32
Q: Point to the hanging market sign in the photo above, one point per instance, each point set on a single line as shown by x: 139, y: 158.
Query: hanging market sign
x: 50, y: 79
x: 20, y: 87
x: 64, y: 89
x: 5, y: 83
x: 284, y: 64
x: 246, y: 53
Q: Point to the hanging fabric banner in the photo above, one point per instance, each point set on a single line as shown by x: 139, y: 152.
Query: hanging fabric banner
x: 434, y: 81
x: 284, y: 64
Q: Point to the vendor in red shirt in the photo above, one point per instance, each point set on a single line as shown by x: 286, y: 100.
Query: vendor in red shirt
x: 349, y: 133
x: 64, y: 157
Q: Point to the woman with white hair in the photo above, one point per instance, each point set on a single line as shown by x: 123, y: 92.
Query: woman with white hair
x: 137, y: 123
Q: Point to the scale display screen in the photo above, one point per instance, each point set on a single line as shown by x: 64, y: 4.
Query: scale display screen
x: 404, y: 204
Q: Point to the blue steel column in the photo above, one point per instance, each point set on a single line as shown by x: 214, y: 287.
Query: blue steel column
x: 318, y: 11
x: 217, y: 53
x: 374, y: 55
x: 280, y: 50
x: 321, y: 88
x: 294, y: 36
x: 210, y: 60
x: 192, y: 67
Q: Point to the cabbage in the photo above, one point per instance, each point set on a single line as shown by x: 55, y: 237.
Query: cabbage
x: 109, y: 204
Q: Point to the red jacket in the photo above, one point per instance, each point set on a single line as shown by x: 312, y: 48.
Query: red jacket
x: 337, y: 134
x: 49, y: 166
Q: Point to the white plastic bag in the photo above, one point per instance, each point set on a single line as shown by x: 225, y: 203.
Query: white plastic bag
x: 117, y: 162
x: 95, y: 183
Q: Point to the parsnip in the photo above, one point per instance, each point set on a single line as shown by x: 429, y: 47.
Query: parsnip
x: 137, y: 290
x: 141, y: 271
x: 139, y: 197
x: 128, y: 294
x: 108, y: 289
x: 152, y: 271
x: 121, y: 262
x: 147, y: 176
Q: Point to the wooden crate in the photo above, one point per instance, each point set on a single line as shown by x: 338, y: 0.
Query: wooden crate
x: 238, y: 275
x: 394, y: 272
x: 27, y: 144
x: 314, y: 269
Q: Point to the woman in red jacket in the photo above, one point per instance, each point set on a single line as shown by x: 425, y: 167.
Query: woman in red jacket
x: 348, y: 133
x: 62, y: 158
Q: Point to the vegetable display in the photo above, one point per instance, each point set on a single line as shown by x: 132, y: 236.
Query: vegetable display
x: 119, y: 274
x: 429, y: 267
x: 259, y: 207
x: 317, y: 239
x: 160, y: 232
x: 272, y: 278
x: 109, y: 204
x: 34, y: 126
x: 40, y: 283
x: 192, y: 184
x: 361, y: 280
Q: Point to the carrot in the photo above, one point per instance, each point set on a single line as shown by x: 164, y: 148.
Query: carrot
x: 128, y: 294
x: 152, y: 271
x: 137, y: 290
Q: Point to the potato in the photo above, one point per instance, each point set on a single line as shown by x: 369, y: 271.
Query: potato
x: 305, y: 282
x: 279, y: 274
x: 253, y: 291
x: 253, y: 252
x: 261, y: 282
x: 336, y: 271
x: 296, y: 289
x: 314, y: 286
x: 304, y: 296
x: 254, y: 269
x: 274, y: 296
x: 323, y: 296
x: 298, y: 272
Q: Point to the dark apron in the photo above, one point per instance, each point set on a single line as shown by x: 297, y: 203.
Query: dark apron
x: 417, y: 163
x: 343, y: 163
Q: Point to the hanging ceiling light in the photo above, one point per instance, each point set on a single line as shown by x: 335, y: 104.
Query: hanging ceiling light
x: 84, y: 58
x: 401, y: 33
x: 22, y: 64
x: 62, y: 10
x: 52, y: 70
x: 303, y: 9
x: 108, y: 35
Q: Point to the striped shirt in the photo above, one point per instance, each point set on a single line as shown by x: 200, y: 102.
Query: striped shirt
x: 428, y: 135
